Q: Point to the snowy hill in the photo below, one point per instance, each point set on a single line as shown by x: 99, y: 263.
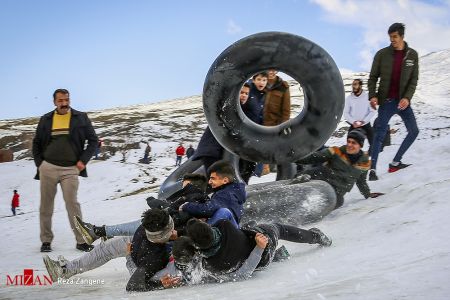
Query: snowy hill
x: 392, y: 247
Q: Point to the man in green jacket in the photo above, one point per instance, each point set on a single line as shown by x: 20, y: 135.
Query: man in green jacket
x: 342, y: 167
x: 397, y: 67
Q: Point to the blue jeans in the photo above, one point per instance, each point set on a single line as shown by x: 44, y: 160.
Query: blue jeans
x: 223, y: 214
x: 178, y: 161
x: 385, y: 113
x: 124, y: 229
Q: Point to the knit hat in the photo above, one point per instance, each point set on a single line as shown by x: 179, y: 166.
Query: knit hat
x: 161, y: 236
x: 358, y: 136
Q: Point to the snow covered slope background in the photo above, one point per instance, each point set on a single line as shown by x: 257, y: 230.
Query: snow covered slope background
x: 392, y: 247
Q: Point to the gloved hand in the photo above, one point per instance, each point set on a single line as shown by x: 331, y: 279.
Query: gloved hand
x: 375, y: 195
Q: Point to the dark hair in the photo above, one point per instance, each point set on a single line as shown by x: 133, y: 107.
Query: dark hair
x: 62, y: 91
x: 263, y: 74
x: 183, y: 250
x: 397, y: 27
x: 155, y: 219
x: 15, y: 191
x: 246, y: 85
x: 223, y: 169
x: 359, y: 81
x: 198, y: 180
x: 200, y: 233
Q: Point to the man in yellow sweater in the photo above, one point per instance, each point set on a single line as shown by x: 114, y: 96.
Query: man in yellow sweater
x: 60, y: 155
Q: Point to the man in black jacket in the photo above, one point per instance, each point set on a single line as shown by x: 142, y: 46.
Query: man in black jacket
x: 60, y: 155
x: 147, y: 252
x: 225, y: 247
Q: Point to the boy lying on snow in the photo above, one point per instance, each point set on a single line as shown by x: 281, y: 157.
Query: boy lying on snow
x: 226, y: 253
x: 191, y: 201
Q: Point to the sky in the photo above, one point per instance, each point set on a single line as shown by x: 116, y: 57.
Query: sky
x: 119, y: 53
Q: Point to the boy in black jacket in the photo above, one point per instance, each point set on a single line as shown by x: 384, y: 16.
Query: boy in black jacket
x: 146, y: 252
x: 225, y: 247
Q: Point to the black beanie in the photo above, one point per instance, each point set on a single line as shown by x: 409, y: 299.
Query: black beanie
x: 357, y: 135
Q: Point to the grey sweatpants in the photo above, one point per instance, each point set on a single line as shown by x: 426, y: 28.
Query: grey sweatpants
x: 100, y: 255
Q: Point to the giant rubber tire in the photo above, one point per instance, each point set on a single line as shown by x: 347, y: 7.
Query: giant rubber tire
x: 288, y: 202
x: 300, y: 58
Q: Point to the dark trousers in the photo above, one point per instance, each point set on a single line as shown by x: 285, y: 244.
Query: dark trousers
x: 178, y: 160
x: 208, y: 161
x: 368, y: 130
x: 277, y: 231
x: 13, y: 209
x: 247, y: 169
x: 385, y: 113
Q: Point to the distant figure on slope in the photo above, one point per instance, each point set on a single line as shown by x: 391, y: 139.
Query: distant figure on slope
x: 15, y: 202
x: 397, y: 67
x: 99, y: 147
x: 147, y: 151
x: 190, y: 151
x: 180, y: 151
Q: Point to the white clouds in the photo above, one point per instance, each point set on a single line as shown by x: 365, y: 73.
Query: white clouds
x: 427, y: 24
x: 233, y: 28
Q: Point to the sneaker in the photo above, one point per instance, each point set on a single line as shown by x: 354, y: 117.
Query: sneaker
x: 320, y: 237
x: 249, y: 225
x: 400, y: 166
x: 373, y: 175
x: 301, y: 179
x: 84, y: 247
x: 54, y: 268
x: 46, y: 247
x: 87, y: 230
x: 281, y: 254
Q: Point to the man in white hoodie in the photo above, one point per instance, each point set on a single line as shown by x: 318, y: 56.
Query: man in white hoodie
x: 358, y: 111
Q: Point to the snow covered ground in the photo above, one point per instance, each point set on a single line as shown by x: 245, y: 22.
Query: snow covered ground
x: 392, y: 247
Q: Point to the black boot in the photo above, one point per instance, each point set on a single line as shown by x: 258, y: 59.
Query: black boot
x: 281, y: 254
x: 84, y: 247
x: 46, y: 247
x: 320, y: 238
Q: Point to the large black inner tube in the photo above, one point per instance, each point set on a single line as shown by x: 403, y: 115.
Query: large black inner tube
x: 296, y: 56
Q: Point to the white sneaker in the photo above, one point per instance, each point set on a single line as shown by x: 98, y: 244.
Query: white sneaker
x: 54, y: 268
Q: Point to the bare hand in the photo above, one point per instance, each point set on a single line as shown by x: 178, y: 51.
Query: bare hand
x: 169, y: 281
x: 80, y: 165
x: 128, y: 248
x: 357, y: 124
x: 180, y: 208
x: 375, y: 195
x: 261, y: 240
x: 374, y: 102
x: 403, y: 104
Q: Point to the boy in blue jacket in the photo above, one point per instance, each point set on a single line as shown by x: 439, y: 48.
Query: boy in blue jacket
x: 228, y: 198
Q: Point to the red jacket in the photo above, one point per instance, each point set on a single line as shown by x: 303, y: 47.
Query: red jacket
x: 15, y: 200
x: 180, y: 151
